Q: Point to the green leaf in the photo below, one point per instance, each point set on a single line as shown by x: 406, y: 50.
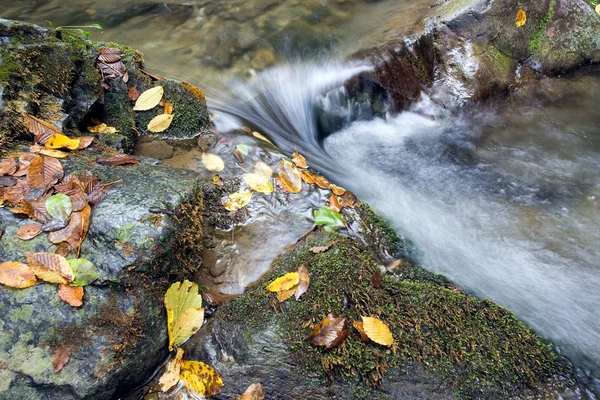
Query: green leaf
x: 242, y: 148
x: 85, y: 272
x: 330, y: 219
x: 59, y: 206
x: 182, y: 302
x: 97, y: 26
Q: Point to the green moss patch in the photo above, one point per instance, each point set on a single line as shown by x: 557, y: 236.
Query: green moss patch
x: 541, y: 28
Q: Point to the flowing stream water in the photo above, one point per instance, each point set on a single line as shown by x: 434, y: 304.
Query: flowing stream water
x: 503, y: 199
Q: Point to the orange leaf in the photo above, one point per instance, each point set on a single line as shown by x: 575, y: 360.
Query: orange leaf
x: 361, y: 331
x: 42, y: 130
x: 60, y: 357
x: 44, y: 171
x: 299, y: 160
x: 195, y: 90
x: 521, y: 18
x: 290, y: 176
x: 17, y: 275
x: 133, y: 93
x: 337, y: 190
x: 308, y: 177
x: 74, y: 233
x: 119, y: 159
x: 330, y: 333
x: 8, y: 166
x: 50, y: 267
x: 254, y: 392
x: 71, y: 294
x: 85, y: 141
x: 28, y: 232
x: 168, y: 108
x: 334, y: 203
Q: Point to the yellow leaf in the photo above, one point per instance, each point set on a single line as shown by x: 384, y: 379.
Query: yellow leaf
x: 261, y: 137
x: 290, y: 176
x: 259, y: 183
x: 237, y: 200
x: 171, y: 376
x: 49, y: 267
x: 218, y: 181
x: 337, y: 190
x: 285, y: 282
x: 17, y: 275
x: 254, y: 392
x: 200, y: 377
x: 521, y: 18
x: 377, y: 331
x: 286, y: 294
x: 598, y: 9
x: 36, y: 148
x: 160, y: 123
x: 102, y: 128
x: 299, y: 160
x: 212, y: 162
x: 179, y: 299
x: 263, y: 169
x: 60, y: 141
x: 149, y: 99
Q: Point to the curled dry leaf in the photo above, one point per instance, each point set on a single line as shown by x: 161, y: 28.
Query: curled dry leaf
x: 212, y: 162
x: 8, y: 166
x: 238, y: 156
x: 254, y: 392
x: 304, y: 282
x: 60, y: 141
x: 237, y: 200
x: 36, y: 148
x: 42, y: 130
x: 299, y: 160
x: 334, y: 203
x: 85, y: 142
x: 521, y: 18
x: 102, y: 128
x: 185, y: 313
x: 44, y: 171
x: 73, y: 295
x: 290, y: 176
x: 285, y: 282
x: 261, y: 137
x: 200, y: 377
x: 321, y: 182
x: 361, y: 331
x: 308, y: 177
x: 377, y: 331
x: 258, y: 183
x: 28, y: 232
x: 337, y: 190
x: 321, y: 249
x: 133, y: 93
x: 348, y: 199
x: 17, y: 275
x: 160, y: 123
x: 75, y: 231
x: 171, y: 376
x: 263, y: 169
x: 50, y: 267
x: 149, y: 99
x: 330, y: 333
x: 60, y: 357
x: 168, y: 108
x: 119, y: 159
x: 63, y: 249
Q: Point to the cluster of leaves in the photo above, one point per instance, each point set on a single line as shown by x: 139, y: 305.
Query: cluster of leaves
x: 150, y: 99
x: 110, y: 65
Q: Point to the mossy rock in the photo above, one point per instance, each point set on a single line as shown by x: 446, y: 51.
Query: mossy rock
x: 447, y: 344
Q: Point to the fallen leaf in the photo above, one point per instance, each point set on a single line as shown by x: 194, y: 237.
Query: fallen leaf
x: 361, y: 331
x: 218, y: 181
x: 334, y: 203
x: 73, y: 295
x: 285, y: 282
x: 321, y: 249
x: 42, y: 130
x: 85, y: 272
x: 50, y: 267
x: 299, y: 160
x: 171, y: 376
x: 286, y: 294
x: 290, y: 176
x: 321, y: 182
x: 348, y: 199
x: 200, y: 377
x: 212, y: 162
x: 196, y: 91
x: 254, y: 392
x: 243, y: 149
x: 17, y: 275
x: 59, y: 206
x: 78, y: 199
x: 28, y: 232
x: 44, y: 171
x: 60, y: 141
x: 598, y: 9
x: 328, y: 218
x: 521, y: 18
x: 75, y: 231
x: 160, y: 123
x: 259, y: 183
x: 155, y: 77
x: 308, y: 177
x: 60, y: 357
x: 263, y: 169
x: 185, y: 314
x: 36, y: 148
x: 63, y: 249
x: 126, y: 77
x: 304, y: 282
x: 168, y: 108
x: 280, y: 184
x: 110, y: 54
x: 8, y: 166
x: 102, y: 128
x: 236, y: 201
x: 85, y: 142
x: 133, y: 93
x: 119, y: 159
x: 261, y: 137
x: 376, y: 279
x: 238, y: 156
x: 330, y: 333
x: 149, y: 99
x: 337, y: 190
x: 377, y: 331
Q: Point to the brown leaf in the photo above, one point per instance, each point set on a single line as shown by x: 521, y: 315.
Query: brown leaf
x: 334, y: 203
x: 50, y: 267
x: 331, y: 332
x: 8, y: 166
x: 155, y: 77
x: 42, y: 130
x: 97, y: 194
x: 78, y: 199
x: 126, y: 77
x: 134, y: 93
x: 85, y: 141
x: 21, y: 171
x: 17, y: 275
x: 337, y: 190
x: 36, y: 148
x: 119, y: 159
x: 290, y: 176
x: 36, y: 209
x: 321, y: 249
x: 361, y: 331
x: 376, y: 279
x: 321, y: 182
x: 254, y: 392
x: 63, y: 249
x: 74, y: 233
x: 238, y: 156
x: 168, y: 108
x: 348, y: 199
x: 304, y: 282
x: 60, y: 357
x: 44, y: 171
x: 299, y: 160
x: 308, y: 177
x: 73, y: 295
x: 28, y: 232
x: 110, y: 54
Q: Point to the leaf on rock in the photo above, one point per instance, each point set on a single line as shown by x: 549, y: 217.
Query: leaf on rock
x: 361, y: 331
x: 521, y: 18
x: 160, y: 123
x: 218, y: 181
x: 304, y: 282
x: 185, y: 314
x: 238, y: 156
x: 119, y: 159
x: 321, y: 249
x: 149, y: 99
x: 63, y: 249
x: 321, y: 182
x: 44, y: 171
x: 17, y: 275
x: 102, y: 128
x: 258, y: 183
x: 133, y: 93
x: 171, y: 376
x: 242, y: 149
x: 196, y: 91
x: 254, y: 392
x: 308, y: 177
x: 334, y: 203
x: 28, y: 232
x: 60, y: 141
x: 85, y: 142
x: 168, y: 108
x: 237, y: 200
x: 212, y: 162
x: 328, y: 218
x: 377, y: 331
x: 290, y: 176
x: 348, y: 199
x: 200, y: 377
x: 285, y: 282
x: 59, y: 206
x: 286, y: 294
x: 85, y: 272
x: 8, y: 166
x: 60, y: 357
x: 337, y: 190
x: 299, y: 160
x: 280, y: 184
x: 78, y: 199
x: 330, y: 333
x: 263, y: 169
x: 75, y: 231
x: 50, y: 267
x: 598, y: 9
x: 261, y: 137
x: 36, y: 148
x: 73, y: 295
x: 42, y: 130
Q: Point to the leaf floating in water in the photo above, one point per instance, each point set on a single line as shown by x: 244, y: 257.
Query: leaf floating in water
x: 254, y: 392
x: 171, y: 376
x: 334, y: 203
x: 290, y: 176
x: 263, y: 169
x: 59, y: 206
x: 521, y: 18
x: 17, y: 275
x: 117, y: 160
x: 261, y: 137
x: 42, y: 130
x: 212, y: 162
x: 200, y: 377
x: 149, y: 99
x: 237, y: 201
x: 258, y: 183
x: 330, y: 333
x: 60, y: 357
x: 73, y: 295
x: 28, y: 232
x: 60, y: 141
x: 102, y: 128
x: 377, y: 331
x: 160, y: 123
x: 304, y: 282
x: 238, y: 156
x: 50, y: 267
x: 185, y: 314
x: 285, y: 282
x: 330, y: 219
x: 299, y: 160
